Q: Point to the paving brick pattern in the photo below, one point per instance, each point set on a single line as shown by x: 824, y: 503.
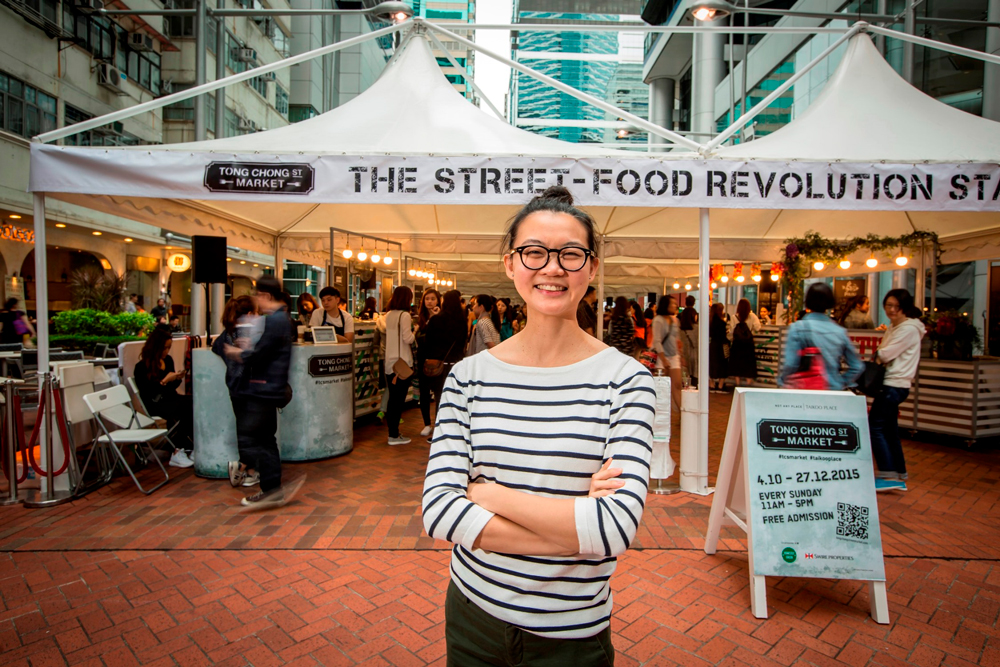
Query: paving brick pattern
x: 313, y: 607
x: 370, y: 499
x: 344, y: 576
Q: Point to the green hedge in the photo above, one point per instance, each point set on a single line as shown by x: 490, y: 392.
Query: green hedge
x: 87, y: 343
x: 87, y: 322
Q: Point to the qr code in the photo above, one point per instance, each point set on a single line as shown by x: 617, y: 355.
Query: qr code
x: 852, y: 521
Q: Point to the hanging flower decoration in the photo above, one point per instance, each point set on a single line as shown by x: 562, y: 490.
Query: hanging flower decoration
x: 755, y: 271
x: 717, y: 271
x: 777, y: 268
x: 791, y: 251
x: 738, y: 269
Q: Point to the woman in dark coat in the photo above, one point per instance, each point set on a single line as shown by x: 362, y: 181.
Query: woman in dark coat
x: 157, y: 382
x: 443, y: 340
x: 743, y: 353
x: 718, y: 341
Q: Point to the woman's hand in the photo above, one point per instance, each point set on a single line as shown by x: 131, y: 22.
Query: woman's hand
x: 602, y: 482
x: 435, y: 310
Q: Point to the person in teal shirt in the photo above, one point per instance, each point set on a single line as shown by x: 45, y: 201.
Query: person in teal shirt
x: 506, y: 318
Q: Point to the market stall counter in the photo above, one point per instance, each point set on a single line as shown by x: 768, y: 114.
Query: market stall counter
x: 318, y: 422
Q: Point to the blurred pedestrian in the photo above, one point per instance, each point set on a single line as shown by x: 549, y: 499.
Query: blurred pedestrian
x: 370, y: 310
x: 159, y: 311
x: 666, y: 343
x: 689, y: 338
x: 130, y: 303
x: 397, y: 328
x: 430, y: 307
x: 506, y: 318
x: 157, y: 382
x: 816, y: 335
x: 900, y: 352
x: 263, y: 390
x: 586, y: 315
x: 14, y: 324
x: 237, y: 327
x: 743, y: 352
x: 621, y: 328
x: 486, y: 333
x: 718, y: 347
x: 639, y: 320
x: 855, y: 314
x: 443, y: 345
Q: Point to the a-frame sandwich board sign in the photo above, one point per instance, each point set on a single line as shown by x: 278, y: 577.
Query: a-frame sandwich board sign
x: 796, y: 476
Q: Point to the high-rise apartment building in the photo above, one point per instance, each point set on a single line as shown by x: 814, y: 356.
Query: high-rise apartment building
x: 452, y: 12
x: 607, y: 65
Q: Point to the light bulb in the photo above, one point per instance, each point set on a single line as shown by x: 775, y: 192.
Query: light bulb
x: 362, y: 255
x: 901, y: 260
x: 725, y: 279
x: 412, y: 272
x: 387, y: 259
x: 431, y: 276
x: 450, y: 283
x: 677, y: 285
x: 756, y: 277
x: 775, y: 277
x: 740, y: 278
x: 348, y: 253
x: 819, y: 266
x: 871, y: 262
x: 845, y: 264
x: 714, y: 284
x: 376, y: 258
x: 687, y: 287
x: 704, y: 14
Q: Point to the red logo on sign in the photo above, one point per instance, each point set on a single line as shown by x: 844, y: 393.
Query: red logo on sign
x: 809, y: 556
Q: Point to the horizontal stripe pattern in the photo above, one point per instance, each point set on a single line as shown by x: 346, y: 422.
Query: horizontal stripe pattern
x: 544, y: 431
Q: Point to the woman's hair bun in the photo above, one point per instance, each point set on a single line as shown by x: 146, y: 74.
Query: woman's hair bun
x: 557, y: 193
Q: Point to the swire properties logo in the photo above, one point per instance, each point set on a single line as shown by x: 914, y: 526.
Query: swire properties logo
x: 810, y: 556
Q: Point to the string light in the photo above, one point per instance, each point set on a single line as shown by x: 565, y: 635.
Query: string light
x: 677, y: 285
x: 845, y: 264
x: 901, y: 260
x: 756, y: 277
x: 775, y: 277
x: 376, y: 258
x: 740, y: 278
x: 819, y: 266
x: 348, y: 253
x: 412, y: 273
x: 714, y: 284
x: 871, y: 262
x: 387, y: 259
x: 362, y: 255
x: 725, y: 279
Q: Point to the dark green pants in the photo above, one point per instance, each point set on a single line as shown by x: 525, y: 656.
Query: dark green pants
x: 475, y: 638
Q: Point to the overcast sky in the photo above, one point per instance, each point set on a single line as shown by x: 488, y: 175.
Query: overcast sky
x: 491, y: 76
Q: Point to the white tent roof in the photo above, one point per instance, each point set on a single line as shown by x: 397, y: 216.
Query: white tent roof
x: 866, y: 113
x: 866, y: 116
x: 410, y: 110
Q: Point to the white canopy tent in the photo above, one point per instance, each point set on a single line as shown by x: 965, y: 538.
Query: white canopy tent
x: 413, y: 161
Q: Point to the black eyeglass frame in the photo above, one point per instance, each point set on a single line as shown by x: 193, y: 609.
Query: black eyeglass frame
x: 558, y: 251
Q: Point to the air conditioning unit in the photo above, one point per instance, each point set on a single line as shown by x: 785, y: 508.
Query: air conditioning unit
x: 167, y: 87
x: 246, y: 55
x: 110, y: 77
x: 88, y: 6
x: 140, y: 41
x: 247, y: 125
x: 269, y: 76
x: 110, y: 130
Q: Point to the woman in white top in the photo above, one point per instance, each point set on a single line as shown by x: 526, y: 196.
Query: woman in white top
x: 538, y: 420
x: 667, y: 343
x: 332, y: 315
x: 396, y: 328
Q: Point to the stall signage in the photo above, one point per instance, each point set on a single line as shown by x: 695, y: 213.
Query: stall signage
x: 797, y: 435
x: 331, y: 364
x: 811, y: 489
x: 14, y: 233
x: 259, y: 178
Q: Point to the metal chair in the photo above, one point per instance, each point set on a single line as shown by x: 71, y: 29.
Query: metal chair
x: 101, y: 350
x: 145, y: 414
x: 11, y: 347
x: 114, y: 407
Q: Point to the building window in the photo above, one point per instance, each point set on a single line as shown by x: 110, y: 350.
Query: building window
x: 106, y: 40
x: 300, y: 112
x: 108, y: 135
x: 259, y: 84
x: 281, y: 100
x: 232, y: 124
x: 179, y: 26
x: 24, y: 110
x: 183, y: 110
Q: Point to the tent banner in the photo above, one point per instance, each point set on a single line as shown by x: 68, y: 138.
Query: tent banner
x: 441, y: 180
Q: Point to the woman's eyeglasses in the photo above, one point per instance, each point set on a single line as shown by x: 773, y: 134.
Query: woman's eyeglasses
x: 536, y: 257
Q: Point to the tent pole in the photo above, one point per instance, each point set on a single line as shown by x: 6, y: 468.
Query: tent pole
x: 934, y: 265
x: 599, y: 327
x: 570, y: 90
x: 201, y: 26
x: 934, y: 44
x: 329, y: 278
x: 704, y: 317
x: 909, y: 27
x: 220, y: 73
x: 465, y: 75
x: 920, y: 286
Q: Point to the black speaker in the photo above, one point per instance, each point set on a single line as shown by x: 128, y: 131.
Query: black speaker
x: 656, y: 12
x: 208, y: 259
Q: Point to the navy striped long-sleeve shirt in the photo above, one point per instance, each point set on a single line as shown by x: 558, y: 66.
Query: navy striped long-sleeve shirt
x: 545, y: 431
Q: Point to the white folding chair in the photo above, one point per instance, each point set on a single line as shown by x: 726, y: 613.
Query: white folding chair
x: 145, y: 415
x: 113, y: 407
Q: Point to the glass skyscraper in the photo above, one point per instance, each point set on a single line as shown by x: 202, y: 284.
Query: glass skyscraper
x: 445, y: 12
x: 607, y: 65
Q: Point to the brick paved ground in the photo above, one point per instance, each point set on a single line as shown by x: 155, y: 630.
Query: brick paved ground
x: 344, y: 576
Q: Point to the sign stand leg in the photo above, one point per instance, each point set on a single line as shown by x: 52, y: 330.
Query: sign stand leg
x: 758, y: 595
x: 879, y: 602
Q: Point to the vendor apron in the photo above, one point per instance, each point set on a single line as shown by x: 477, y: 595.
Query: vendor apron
x: 329, y: 323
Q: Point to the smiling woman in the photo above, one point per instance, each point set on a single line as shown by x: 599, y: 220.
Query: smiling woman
x: 520, y: 475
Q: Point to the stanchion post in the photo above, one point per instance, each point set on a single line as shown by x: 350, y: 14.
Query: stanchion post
x: 13, y: 495
x: 51, y: 497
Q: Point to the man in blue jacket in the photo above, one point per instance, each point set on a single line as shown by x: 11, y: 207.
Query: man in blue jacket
x: 263, y: 390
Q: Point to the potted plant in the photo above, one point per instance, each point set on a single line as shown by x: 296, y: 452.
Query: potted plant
x: 953, y: 335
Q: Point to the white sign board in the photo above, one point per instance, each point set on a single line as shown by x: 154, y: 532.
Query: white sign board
x: 797, y: 476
